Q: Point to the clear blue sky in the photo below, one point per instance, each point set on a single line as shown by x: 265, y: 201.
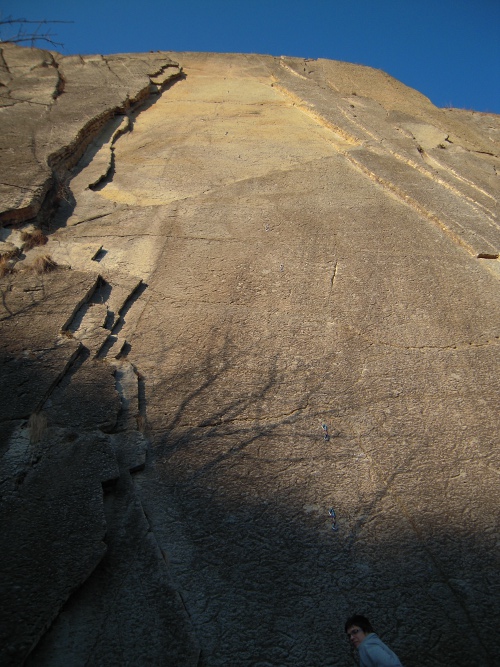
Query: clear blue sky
x: 447, y: 49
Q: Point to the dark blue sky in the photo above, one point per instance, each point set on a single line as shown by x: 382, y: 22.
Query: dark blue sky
x: 449, y: 50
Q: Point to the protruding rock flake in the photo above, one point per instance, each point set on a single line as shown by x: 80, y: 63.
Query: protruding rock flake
x: 250, y: 336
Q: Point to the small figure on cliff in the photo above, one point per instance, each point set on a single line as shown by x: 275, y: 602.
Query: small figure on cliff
x: 325, y: 432
x: 372, y: 650
x: 333, y: 516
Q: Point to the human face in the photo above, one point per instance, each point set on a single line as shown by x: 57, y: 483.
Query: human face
x: 356, y: 635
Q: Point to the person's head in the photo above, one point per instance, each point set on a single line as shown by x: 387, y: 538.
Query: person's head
x: 357, y: 628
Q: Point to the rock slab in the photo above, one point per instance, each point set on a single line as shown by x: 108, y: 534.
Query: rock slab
x: 245, y: 249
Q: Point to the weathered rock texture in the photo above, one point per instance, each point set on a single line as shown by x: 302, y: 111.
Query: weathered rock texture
x: 237, y: 250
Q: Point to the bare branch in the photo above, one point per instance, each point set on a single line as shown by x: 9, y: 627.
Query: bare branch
x: 11, y: 21
x: 22, y: 36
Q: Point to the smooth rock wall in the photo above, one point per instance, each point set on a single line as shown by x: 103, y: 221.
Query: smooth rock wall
x: 244, y: 249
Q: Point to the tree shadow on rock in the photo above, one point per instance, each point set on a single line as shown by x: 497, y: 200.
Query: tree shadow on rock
x: 238, y: 496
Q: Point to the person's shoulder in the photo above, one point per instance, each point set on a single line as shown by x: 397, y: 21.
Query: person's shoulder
x: 373, y: 639
x: 378, y: 653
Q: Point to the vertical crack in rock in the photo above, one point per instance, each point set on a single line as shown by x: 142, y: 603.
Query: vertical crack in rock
x: 117, y: 322
x: 334, y: 273
x: 97, y: 325
x: 127, y: 386
x: 99, y: 318
x: 4, y: 68
x: 142, y: 417
x: 93, y: 624
x: 61, y: 82
x: 60, y: 159
x: 61, y: 541
x: 125, y: 125
x: 74, y: 362
x: 91, y: 324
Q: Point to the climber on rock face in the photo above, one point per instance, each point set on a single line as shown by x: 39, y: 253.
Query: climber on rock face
x: 372, y: 650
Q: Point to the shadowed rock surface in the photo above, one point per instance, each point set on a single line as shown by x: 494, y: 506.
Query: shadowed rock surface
x: 236, y: 251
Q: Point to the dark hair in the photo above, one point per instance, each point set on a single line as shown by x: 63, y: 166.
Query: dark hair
x: 360, y: 621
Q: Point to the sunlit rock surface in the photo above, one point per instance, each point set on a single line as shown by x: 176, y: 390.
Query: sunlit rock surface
x: 240, y: 255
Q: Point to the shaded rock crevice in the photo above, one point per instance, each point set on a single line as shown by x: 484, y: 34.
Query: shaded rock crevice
x: 56, y: 162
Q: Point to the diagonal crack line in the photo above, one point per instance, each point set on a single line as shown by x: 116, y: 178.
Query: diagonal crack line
x: 21, y: 101
x: 95, y: 217
x: 105, y: 60
x: 409, y: 201
x: 19, y: 187
x: 457, y: 347
x: 216, y: 189
x: 276, y: 420
x: 333, y: 275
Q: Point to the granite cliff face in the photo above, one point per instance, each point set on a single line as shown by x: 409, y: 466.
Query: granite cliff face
x: 239, y: 291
